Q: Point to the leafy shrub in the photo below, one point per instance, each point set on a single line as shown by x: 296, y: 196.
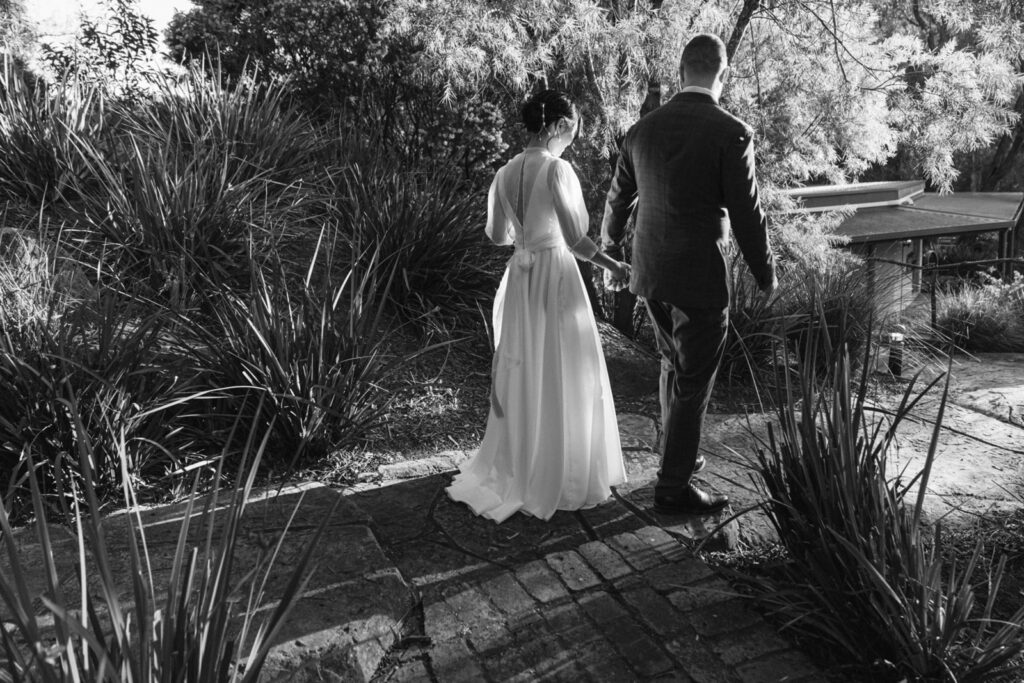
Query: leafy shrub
x: 27, y: 273
x: 989, y: 317
x: 112, y: 54
x: 329, y: 52
x: 187, y: 630
x: 469, y: 133
x: 431, y: 227
x: 864, y: 575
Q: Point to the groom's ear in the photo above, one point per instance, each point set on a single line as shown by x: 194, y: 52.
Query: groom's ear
x: 724, y: 76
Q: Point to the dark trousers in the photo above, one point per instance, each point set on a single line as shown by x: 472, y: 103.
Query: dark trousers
x: 691, y: 342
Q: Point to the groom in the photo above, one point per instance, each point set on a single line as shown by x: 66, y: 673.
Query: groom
x: 688, y: 167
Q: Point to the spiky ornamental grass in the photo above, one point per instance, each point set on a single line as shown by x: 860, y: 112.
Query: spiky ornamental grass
x: 985, y: 317
x: 313, y: 353
x: 866, y: 575
x: 199, y: 177
x: 199, y: 628
x: 816, y: 303
x: 104, y: 356
x: 37, y: 131
x: 431, y: 226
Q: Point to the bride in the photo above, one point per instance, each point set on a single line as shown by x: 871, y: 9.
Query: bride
x: 552, y: 440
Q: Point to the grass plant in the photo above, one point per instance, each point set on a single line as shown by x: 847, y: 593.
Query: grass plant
x: 104, y: 356
x: 753, y: 335
x: 866, y: 574
x: 200, y: 177
x: 38, y: 126
x: 312, y: 356
x: 251, y: 124
x: 201, y: 627
x: 432, y: 227
x: 826, y: 310
x: 817, y: 303
x: 986, y: 317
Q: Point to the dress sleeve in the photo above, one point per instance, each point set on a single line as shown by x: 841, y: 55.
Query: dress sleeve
x: 571, y: 210
x: 499, y: 227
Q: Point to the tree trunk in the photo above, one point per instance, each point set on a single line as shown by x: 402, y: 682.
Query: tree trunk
x: 746, y: 13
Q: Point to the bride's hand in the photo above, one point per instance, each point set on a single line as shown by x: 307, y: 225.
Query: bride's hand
x: 618, y: 277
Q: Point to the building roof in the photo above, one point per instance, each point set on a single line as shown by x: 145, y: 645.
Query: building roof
x: 856, y: 195
x: 902, y: 210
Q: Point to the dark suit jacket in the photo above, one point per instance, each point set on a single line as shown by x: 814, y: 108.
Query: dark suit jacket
x: 688, y: 167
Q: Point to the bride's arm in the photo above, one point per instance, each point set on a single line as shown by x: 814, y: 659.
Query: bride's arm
x: 499, y: 227
x: 573, y: 219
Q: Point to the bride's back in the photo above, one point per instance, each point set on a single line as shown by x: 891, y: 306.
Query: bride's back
x: 527, y: 191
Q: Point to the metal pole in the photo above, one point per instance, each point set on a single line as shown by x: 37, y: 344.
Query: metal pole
x: 919, y: 262
x: 1002, y: 253
x: 933, y: 288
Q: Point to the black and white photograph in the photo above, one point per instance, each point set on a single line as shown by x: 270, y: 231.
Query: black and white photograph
x: 511, y: 341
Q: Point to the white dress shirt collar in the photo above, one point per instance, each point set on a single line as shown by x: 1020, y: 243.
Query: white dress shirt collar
x: 703, y: 91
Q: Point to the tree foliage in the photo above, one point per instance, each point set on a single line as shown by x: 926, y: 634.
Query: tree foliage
x: 112, y: 50
x: 329, y: 50
x: 992, y: 31
x: 15, y: 34
x: 339, y: 60
x: 831, y: 88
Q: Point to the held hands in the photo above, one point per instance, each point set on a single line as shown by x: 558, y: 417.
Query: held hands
x: 616, y: 279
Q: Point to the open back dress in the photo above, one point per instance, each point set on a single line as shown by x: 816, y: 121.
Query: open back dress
x: 552, y: 439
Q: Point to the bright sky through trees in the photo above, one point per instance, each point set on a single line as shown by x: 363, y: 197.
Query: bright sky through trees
x: 59, y: 17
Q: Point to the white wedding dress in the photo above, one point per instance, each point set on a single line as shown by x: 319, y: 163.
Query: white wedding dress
x: 552, y: 440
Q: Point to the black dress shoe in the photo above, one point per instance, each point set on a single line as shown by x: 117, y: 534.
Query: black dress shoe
x: 693, y: 501
x: 699, y: 465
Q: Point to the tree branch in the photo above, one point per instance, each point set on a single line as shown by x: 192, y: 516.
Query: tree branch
x: 749, y: 7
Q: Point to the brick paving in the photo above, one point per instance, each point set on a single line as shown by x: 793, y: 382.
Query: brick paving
x: 636, y: 606
x: 612, y: 593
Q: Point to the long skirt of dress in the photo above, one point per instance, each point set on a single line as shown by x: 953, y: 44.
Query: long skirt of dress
x: 552, y: 440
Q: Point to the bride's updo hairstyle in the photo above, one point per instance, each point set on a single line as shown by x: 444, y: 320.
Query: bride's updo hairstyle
x: 545, y: 108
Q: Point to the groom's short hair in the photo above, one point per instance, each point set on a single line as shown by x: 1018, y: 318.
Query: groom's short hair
x: 704, y: 55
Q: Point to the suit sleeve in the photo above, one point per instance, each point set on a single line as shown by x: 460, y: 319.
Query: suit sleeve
x: 499, y: 227
x: 619, y: 204
x: 748, y: 221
